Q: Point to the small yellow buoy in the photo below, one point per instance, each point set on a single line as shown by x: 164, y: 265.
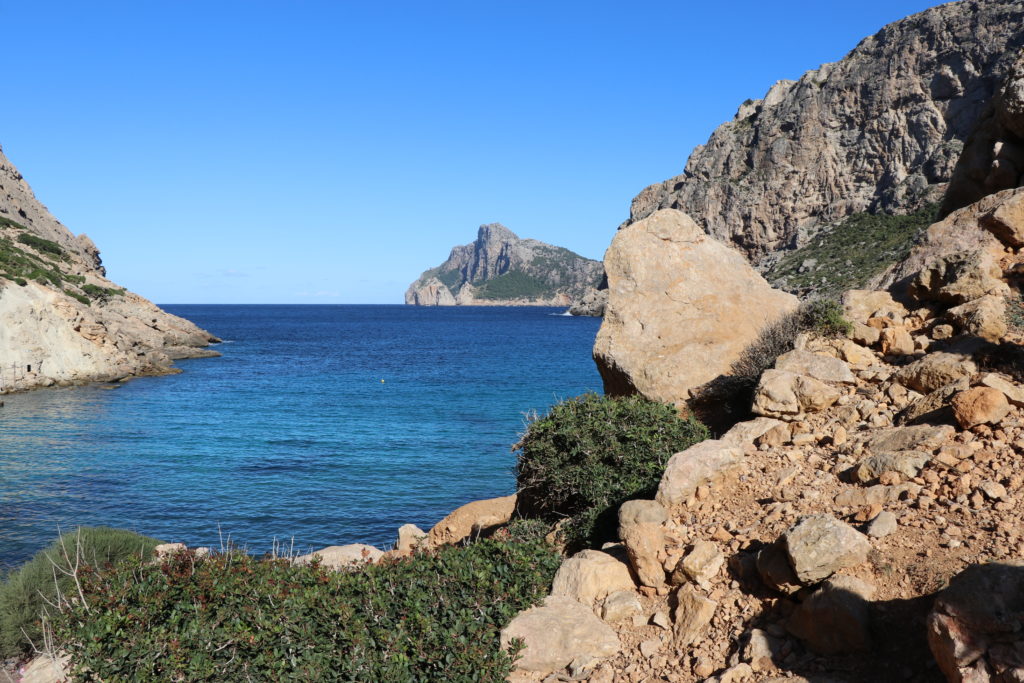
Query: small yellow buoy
x: 382, y: 381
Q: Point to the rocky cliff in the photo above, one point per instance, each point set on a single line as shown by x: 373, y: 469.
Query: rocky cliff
x: 499, y: 269
x: 61, y: 320
x: 881, y: 130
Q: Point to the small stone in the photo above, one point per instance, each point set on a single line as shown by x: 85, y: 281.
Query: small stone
x: 649, y: 648
x: 993, y: 490
x: 979, y: 405
x: 940, y: 332
x: 820, y: 545
x: 896, y: 341
x: 702, y: 563
x: 882, y: 525
x: 661, y: 619
x: 692, y: 615
x: 620, y: 605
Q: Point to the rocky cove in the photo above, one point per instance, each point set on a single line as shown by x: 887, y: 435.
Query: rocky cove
x: 855, y: 516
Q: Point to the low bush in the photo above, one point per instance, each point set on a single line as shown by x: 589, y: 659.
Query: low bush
x: 41, y: 245
x: 728, y: 399
x: 232, y: 617
x: 590, y: 454
x: 26, y: 591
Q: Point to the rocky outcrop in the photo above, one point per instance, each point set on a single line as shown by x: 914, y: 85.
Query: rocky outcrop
x: 592, y: 303
x: 61, y: 320
x: 880, y: 130
x: 499, y: 269
x: 682, y: 307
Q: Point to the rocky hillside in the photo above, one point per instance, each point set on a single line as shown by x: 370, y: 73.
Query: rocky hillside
x: 499, y: 269
x: 61, y: 320
x: 882, y: 130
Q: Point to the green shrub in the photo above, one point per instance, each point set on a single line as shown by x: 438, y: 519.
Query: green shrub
x: 525, y: 530
x: 513, y: 285
x: 25, y: 592
x: 232, y: 617
x: 590, y: 454
x: 40, y: 244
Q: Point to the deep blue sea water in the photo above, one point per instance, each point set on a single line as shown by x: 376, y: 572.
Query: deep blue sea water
x: 292, y: 434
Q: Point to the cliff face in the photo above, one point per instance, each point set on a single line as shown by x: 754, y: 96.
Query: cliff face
x: 499, y: 269
x: 61, y: 320
x: 880, y: 130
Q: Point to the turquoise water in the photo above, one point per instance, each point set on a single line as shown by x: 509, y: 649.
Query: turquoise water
x: 292, y: 434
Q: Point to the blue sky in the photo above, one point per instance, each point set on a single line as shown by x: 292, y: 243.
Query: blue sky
x: 306, y: 151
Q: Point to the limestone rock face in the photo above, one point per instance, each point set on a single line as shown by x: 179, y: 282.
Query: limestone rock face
x: 86, y: 329
x: 557, y: 633
x: 499, y: 269
x: 592, y: 303
x: 815, y: 150
x: 681, y: 308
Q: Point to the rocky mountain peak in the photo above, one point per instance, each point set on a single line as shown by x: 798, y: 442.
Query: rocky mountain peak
x: 880, y: 130
x: 499, y: 268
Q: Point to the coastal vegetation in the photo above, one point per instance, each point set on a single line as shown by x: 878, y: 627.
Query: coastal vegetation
x: 27, y: 592
x: 590, y: 454
x: 231, y: 616
x: 848, y: 254
x: 45, y: 262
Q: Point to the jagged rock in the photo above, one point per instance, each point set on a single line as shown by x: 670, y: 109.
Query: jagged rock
x: 700, y: 565
x: 751, y: 431
x: 410, y: 537
x: 787, y: 395
x: 343, y: 556
x: 63, y: 340
x: 472, y: 519
x: 984, y: 317
x: 917, y: 437
x: 775, y: 570
x: 641, y: 530
x: 980, y: 405
x: 554, y: 275
x: 681, y: 309
x: 860, y: 305
x: 620, y: 605
x: 1006, y: 221
x: 835, y: 618
x: 896, y: 341
x: 558, y: 633
x: 592, y: 303
x: 974, y: 629
x: 816, y: 365
x: 865, y: 335
x: 1013, y: 392
x: 692, y: 615
x: 933, y: 407
x: 907, y: 463
x: 590, y: 576
x: 820, y: 545
x: 935, y: 371
x: 959, y: 278
x: 699, y: 464
x: 820, y: 148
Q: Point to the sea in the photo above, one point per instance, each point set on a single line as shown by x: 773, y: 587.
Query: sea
x: 320, y: 425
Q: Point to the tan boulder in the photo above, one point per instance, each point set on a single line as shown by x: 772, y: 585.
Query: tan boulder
x: 590, y: 576
x: 693, y: 613
x: 699, y: 464
x: 896, y: 341
x: 410, y: 537
x: 820, y: 545
x: 984, y: 317
x: 1006, y: 221
x: 835, y: 618
x: 700, y: 565
x: 46, y: 669
x: 167, y: 549
x: 557, y: 633
x: 641, y: 530
x: 959, y: 278
x: 865, y: 335
x: 343, y: 556
x: 935, y: 371
x: 913, y: 438
x: 1014, y: 392
x: 859, y: 305
x: 751, y: 431
x: 816, y: 365
x: 980, y: 405
x: 472, y: 519
x: 788, y: 396
x: 682, y: 307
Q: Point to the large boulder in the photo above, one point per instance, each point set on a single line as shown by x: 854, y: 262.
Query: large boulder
x: 641, y: 530
x: 590, y: 576
x: 699, y: 464
x: 558, y: 633
x: 790, y: 396
x: 835, y: 619
x: 974, y: 629
x: 681, y: 308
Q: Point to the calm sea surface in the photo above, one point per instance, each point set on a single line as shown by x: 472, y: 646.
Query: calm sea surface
x: 292, y: 434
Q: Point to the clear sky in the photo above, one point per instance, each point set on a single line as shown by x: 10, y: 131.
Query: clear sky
x: 305, y: 151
